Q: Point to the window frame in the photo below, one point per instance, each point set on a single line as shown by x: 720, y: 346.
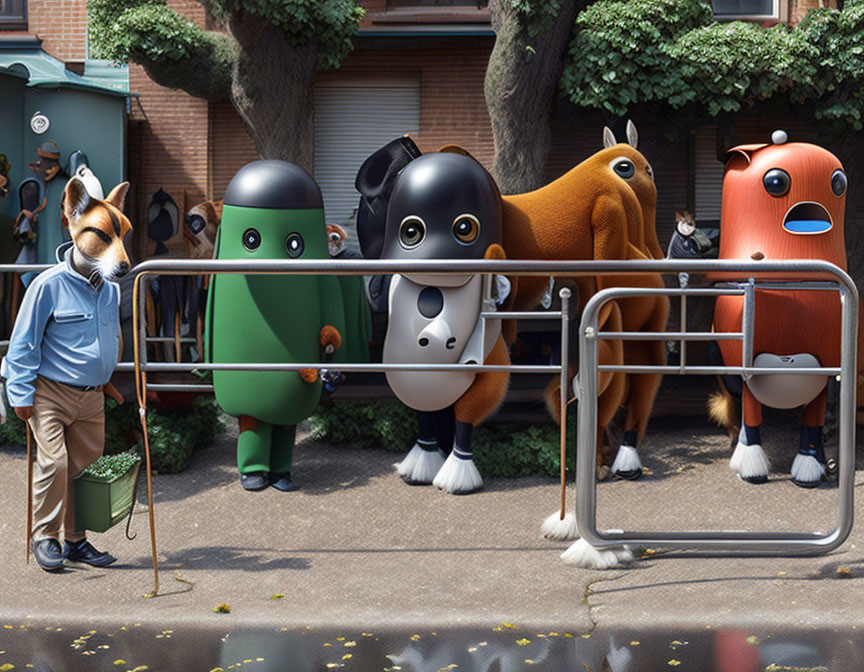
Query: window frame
x: 776, y: 15
x: 15, y: 22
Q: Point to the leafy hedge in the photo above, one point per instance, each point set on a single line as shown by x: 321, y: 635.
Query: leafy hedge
x: 507, y: 450
x: 673, y: 52
x: 173, y: 436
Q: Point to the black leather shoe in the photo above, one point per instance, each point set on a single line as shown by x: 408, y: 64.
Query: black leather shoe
x: 282, y: 482
x: 48, y: 554
x: 256, y: 480
x: 84, y: 551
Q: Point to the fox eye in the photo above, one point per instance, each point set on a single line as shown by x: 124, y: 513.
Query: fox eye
x: 251, y: 239
x: 294, y: 245
x: 104, y: 237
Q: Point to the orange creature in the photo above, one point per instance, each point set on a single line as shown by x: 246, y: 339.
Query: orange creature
x: 782, y: 201
x: 602, y: 209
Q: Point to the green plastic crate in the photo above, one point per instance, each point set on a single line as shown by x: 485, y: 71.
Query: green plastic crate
x: 99, y: 504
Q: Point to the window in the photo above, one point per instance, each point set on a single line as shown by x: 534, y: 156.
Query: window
x: 746, y: 9
x: 13, y: 14
x: 392, y: 4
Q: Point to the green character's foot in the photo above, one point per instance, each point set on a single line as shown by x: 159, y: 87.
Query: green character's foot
x: 282, y: 482
x: 257, y: 480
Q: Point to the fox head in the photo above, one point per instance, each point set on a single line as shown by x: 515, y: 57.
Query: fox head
x: 97, y: 227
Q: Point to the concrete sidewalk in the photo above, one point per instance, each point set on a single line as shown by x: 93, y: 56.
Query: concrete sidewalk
x: 358, y: 549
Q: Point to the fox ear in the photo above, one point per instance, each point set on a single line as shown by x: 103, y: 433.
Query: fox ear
x: 76, y: 200
x: 117, y: 197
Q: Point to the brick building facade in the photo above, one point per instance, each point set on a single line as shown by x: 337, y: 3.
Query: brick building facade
x: 435, y: 56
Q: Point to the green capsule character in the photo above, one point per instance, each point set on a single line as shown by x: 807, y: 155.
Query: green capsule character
x: 272, y: 210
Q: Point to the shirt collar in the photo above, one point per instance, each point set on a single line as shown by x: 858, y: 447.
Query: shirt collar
x: 68, y: 268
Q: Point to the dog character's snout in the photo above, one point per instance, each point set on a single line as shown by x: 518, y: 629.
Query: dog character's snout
x: 430, y: 302
x: 122, y: 269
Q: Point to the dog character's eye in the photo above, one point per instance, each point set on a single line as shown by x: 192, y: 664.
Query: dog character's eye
x: 623, y: 167
x: 838, y: 183
x: 412, y: 231
x: 251, y: 239
x: 466, y: 228
x: 195, y: 223
x: 335, y: 237
x: 777, y: 182
x: 294, y: 245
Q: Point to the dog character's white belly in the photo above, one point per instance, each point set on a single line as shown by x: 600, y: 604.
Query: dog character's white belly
x: 438, y: 337
x: 786, y: 390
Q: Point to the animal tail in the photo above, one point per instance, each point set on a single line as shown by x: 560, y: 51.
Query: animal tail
x: 722, y: 408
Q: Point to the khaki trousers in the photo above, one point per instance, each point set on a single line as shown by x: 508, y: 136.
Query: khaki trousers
x: 69, y: 428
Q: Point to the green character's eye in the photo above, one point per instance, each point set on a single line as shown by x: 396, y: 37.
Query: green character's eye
x: 294, y: 245
x: 777, y: 182
x: 838, y: 183
x: 251, y: 239
x: 412, y: 231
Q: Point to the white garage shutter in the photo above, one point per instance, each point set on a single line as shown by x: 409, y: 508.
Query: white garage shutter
x: 351, y: 122
x: 709, y: 175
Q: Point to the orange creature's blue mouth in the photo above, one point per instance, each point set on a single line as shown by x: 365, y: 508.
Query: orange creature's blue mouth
x: 807, y: 218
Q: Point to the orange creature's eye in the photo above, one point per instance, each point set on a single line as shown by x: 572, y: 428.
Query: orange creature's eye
x: 777, y: 182
x: 838, y: 182
x: 623, y: 167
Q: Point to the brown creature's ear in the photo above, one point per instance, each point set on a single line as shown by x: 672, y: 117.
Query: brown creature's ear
x: 76, y: 200
x: 455, y: 149
x: 608, y: 138
x: 117, y: 197
x: 495, y: 251
x: 632, y: 134
x: 678, y: 215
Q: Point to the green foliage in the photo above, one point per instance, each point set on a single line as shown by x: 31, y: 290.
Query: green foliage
x: 120, y: 28
x: 618, y: 54
x: 111, y: 467
x: 672, y: 52
x: 499, y: 449
x: 378, y: 424
x: 148, y: 28
x: 173, y: 436
x: 534, y: 15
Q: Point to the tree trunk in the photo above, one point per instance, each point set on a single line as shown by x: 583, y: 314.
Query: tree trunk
x: 521, y: 81
x: 272, y: 90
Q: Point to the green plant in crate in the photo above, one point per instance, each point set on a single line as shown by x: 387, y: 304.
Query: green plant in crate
x: 105, y: 491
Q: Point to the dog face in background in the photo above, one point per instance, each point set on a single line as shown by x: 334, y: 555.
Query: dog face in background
x: 200, y: 225
x: 97, y: 226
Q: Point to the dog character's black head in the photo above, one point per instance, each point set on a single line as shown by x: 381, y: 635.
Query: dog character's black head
x: 443, y: 206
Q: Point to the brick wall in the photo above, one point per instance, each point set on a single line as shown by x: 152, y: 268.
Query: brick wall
x: 62, y: 25
x: 168, y: 144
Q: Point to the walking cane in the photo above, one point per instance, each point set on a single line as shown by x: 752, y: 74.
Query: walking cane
x: 29, y: 490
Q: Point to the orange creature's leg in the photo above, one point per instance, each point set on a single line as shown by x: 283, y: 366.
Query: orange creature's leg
x: 749, y: 460
x: 808, y: 468
x: 459, y: 475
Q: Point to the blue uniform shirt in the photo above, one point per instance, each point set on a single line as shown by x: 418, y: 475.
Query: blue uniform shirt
x: 65, y: 331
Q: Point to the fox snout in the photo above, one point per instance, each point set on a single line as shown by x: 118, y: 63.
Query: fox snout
x: 122, y: 269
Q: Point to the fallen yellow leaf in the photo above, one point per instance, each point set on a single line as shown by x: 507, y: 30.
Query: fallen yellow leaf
x: 222, y: 609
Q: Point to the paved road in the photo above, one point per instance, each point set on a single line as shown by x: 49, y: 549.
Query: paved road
x: 358, y: 549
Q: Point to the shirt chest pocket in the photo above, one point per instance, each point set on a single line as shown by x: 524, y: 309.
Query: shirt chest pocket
x: 75, y: 325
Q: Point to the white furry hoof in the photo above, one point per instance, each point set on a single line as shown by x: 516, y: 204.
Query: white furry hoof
x: 750, y: 462
x: 458, y: 475
x: 420, y: 466
x: 807, y: 471
x: 556, y: 529
x: 582, y: 554
x: 627, y: 464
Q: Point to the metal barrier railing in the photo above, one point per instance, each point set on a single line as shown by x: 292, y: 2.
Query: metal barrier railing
x: 586, y: 381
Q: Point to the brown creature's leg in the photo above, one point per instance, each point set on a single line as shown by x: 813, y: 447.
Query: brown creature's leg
x: 809, y: 466
x: 458, y: 474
